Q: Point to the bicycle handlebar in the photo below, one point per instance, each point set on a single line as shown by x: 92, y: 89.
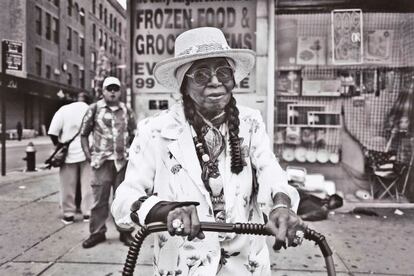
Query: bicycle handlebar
x: 238, y: 228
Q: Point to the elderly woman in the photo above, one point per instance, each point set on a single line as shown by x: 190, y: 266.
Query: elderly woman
x: 207, y: 159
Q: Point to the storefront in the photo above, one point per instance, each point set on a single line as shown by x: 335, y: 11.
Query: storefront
x: 344, y: 93
x: 33, y: 102
x: 332, y: 78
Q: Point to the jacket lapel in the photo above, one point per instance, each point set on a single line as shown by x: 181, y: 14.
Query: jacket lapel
x: 182, y: 148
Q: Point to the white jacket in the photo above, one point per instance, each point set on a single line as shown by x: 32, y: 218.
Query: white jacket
x: 163, y: 163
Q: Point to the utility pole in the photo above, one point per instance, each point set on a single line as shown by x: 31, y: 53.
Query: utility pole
x: 12, y: 59
x: 3, y: 111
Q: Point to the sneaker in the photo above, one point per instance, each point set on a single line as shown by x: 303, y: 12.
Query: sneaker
x: 93, y: 240
x: 86, y: 218
x: 68, y: 220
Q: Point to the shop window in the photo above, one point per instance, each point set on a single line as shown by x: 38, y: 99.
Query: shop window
x: 38, y: 61
x: 56, y: 30
x: 69, y: 39
x: 48, y: 26
x: 38, y: 20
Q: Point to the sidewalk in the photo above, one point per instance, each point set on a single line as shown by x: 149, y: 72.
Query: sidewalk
x: 33, y: 241
x: 39, y: 140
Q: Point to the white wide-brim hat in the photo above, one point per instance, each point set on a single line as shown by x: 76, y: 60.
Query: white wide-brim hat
x: 201, y: 43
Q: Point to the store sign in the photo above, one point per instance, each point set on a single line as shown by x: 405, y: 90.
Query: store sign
x: 347, y: 40
x: 13, y: 55
x: 156, y: 24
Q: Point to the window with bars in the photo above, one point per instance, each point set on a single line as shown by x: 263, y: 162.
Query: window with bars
x: 38, y: 20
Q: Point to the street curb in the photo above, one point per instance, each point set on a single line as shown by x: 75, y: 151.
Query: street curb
x: 19, y: 176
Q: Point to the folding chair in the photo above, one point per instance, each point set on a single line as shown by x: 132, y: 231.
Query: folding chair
x: 385, y: 174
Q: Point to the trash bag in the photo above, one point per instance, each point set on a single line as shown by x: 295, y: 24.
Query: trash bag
x: 312, y: 208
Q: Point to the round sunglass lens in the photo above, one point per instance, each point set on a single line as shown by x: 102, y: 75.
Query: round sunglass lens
x: 202, y: 76
x: 224, y: 73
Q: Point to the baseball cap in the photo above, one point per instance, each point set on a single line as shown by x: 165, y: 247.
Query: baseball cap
x: 111, y: 80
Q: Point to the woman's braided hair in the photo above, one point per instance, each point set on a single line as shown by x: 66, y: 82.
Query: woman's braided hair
x: 232, y: 114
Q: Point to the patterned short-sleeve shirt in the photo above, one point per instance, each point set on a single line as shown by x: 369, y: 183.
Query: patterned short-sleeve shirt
x: 113, y: 131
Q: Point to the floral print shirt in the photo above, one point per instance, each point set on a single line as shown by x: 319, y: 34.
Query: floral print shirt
x: 163, y: 164
x: 112, y: 132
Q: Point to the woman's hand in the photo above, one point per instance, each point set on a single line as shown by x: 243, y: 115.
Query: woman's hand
x: 183, y: 221
x: 285, y: 225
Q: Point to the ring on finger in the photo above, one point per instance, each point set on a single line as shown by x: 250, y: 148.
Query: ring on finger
x: 298, y: 239
x: 177, y: 224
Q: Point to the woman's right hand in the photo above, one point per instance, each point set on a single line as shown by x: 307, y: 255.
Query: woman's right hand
x: 183, y: 221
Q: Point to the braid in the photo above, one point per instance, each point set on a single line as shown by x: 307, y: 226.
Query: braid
x: 233, y: 121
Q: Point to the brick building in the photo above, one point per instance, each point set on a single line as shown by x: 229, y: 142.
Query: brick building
x: 61, y: 41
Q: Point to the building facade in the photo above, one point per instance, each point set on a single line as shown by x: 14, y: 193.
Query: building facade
x: 61, y: 41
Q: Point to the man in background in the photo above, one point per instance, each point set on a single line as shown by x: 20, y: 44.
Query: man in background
x: 65, y: 125
x: 112, y: 124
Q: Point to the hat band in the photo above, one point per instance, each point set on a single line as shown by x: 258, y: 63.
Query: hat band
x: 204, y: 48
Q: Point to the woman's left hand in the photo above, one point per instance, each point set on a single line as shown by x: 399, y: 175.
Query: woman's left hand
x: 285, y: 225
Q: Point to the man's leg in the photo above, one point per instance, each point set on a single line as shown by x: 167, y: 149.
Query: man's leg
x: 102, y: 179
x: 86, y: 189
x: 101, y: 187
x: 125, y: 235
x: 68, y: 179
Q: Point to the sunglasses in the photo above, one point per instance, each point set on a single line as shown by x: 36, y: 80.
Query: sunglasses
x: 113, y: 87
x: 203, y: 76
